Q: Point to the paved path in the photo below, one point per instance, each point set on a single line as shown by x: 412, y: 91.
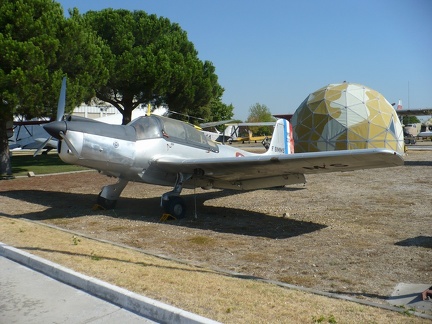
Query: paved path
x: 27, y: 296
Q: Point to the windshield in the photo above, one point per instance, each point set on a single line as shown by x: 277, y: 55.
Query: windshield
x: 146, y: 128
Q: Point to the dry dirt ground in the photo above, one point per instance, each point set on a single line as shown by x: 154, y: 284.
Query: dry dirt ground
x: 358, y: 233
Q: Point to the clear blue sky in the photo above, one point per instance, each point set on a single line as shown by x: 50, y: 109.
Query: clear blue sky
x: 277, y: 52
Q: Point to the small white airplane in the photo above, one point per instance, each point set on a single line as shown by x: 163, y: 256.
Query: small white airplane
x: 29, y: 134
x: 209, y: 129
x: 426, y: 133
x: 164, y: 151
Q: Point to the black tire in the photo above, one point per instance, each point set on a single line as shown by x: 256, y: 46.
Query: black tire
x: 106, y: 203
x: 175, y: 206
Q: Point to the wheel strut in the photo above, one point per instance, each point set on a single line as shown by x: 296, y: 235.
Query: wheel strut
x: 171, y: 201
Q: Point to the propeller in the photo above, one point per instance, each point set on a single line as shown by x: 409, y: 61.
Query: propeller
x: 62, y: 101
x: 60, y: 113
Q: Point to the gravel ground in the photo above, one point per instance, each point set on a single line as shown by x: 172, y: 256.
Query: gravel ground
x: 358, y: 233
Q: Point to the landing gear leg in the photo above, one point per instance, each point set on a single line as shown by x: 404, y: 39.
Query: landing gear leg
x: 171, y: 201
x: 107, y: 198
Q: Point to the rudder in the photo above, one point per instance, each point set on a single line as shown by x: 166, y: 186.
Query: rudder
x: 282, y: 141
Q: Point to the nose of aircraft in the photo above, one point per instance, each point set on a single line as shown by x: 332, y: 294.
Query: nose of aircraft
x: 54, y: 128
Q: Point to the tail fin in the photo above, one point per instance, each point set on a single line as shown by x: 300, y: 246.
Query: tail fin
x: 399, y: 106
x: 282, y: 141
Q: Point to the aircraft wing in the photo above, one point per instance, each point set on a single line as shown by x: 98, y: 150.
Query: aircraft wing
x: 414, y: 112
x: 53, y: 144
x: 268, y: 166
x: 254, y: 124
x: 30, y: 122
x: 214, y: 124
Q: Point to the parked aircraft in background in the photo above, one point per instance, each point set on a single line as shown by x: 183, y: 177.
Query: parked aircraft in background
x: 241, y: 132
x: 30, y: 134
x: 427, y: 132
x: 412, y: 112
x: 210, y: 130
x: 416, y: 130
x: 33, y: 140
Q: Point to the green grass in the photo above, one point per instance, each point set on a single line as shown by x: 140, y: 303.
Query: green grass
x: 41, y: 164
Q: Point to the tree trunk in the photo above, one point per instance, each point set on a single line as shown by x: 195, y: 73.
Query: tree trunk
x: 5, y: 162
x: 127, y: 115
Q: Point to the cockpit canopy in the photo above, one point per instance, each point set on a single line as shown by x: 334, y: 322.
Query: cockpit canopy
x: 148, y: 127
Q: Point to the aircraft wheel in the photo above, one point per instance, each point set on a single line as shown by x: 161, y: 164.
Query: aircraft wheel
x: 106, y: 203
x: 176, y: 207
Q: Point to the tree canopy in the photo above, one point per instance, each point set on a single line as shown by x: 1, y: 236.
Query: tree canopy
x: 38, y: 47
x: 410, y: 120
x: 260, y: 113
x: 151, y: 59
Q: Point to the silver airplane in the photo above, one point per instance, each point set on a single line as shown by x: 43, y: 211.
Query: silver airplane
x: 168, y: 152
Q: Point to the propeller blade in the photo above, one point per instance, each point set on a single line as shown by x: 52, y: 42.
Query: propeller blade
x: 69, y: 144
x: 62, y: 101
x: 42, y: 146
x: 60, y: 113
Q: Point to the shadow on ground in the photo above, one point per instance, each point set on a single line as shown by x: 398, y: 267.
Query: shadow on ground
x: 421, y: 241
x: 219, y: 219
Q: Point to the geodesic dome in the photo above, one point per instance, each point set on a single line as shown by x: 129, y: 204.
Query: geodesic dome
x: 346, y: 116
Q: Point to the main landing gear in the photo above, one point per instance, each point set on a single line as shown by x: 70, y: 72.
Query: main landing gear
x: 171, y: 201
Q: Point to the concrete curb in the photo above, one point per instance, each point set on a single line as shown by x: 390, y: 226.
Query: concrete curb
x: 126, y: 299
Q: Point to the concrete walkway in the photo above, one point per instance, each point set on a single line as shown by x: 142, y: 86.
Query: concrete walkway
x: 27, y: 296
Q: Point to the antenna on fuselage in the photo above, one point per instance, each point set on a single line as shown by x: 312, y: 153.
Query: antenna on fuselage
x: 195, y: 204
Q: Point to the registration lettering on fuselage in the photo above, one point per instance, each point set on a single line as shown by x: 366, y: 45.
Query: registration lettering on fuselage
x: 277, y: 149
